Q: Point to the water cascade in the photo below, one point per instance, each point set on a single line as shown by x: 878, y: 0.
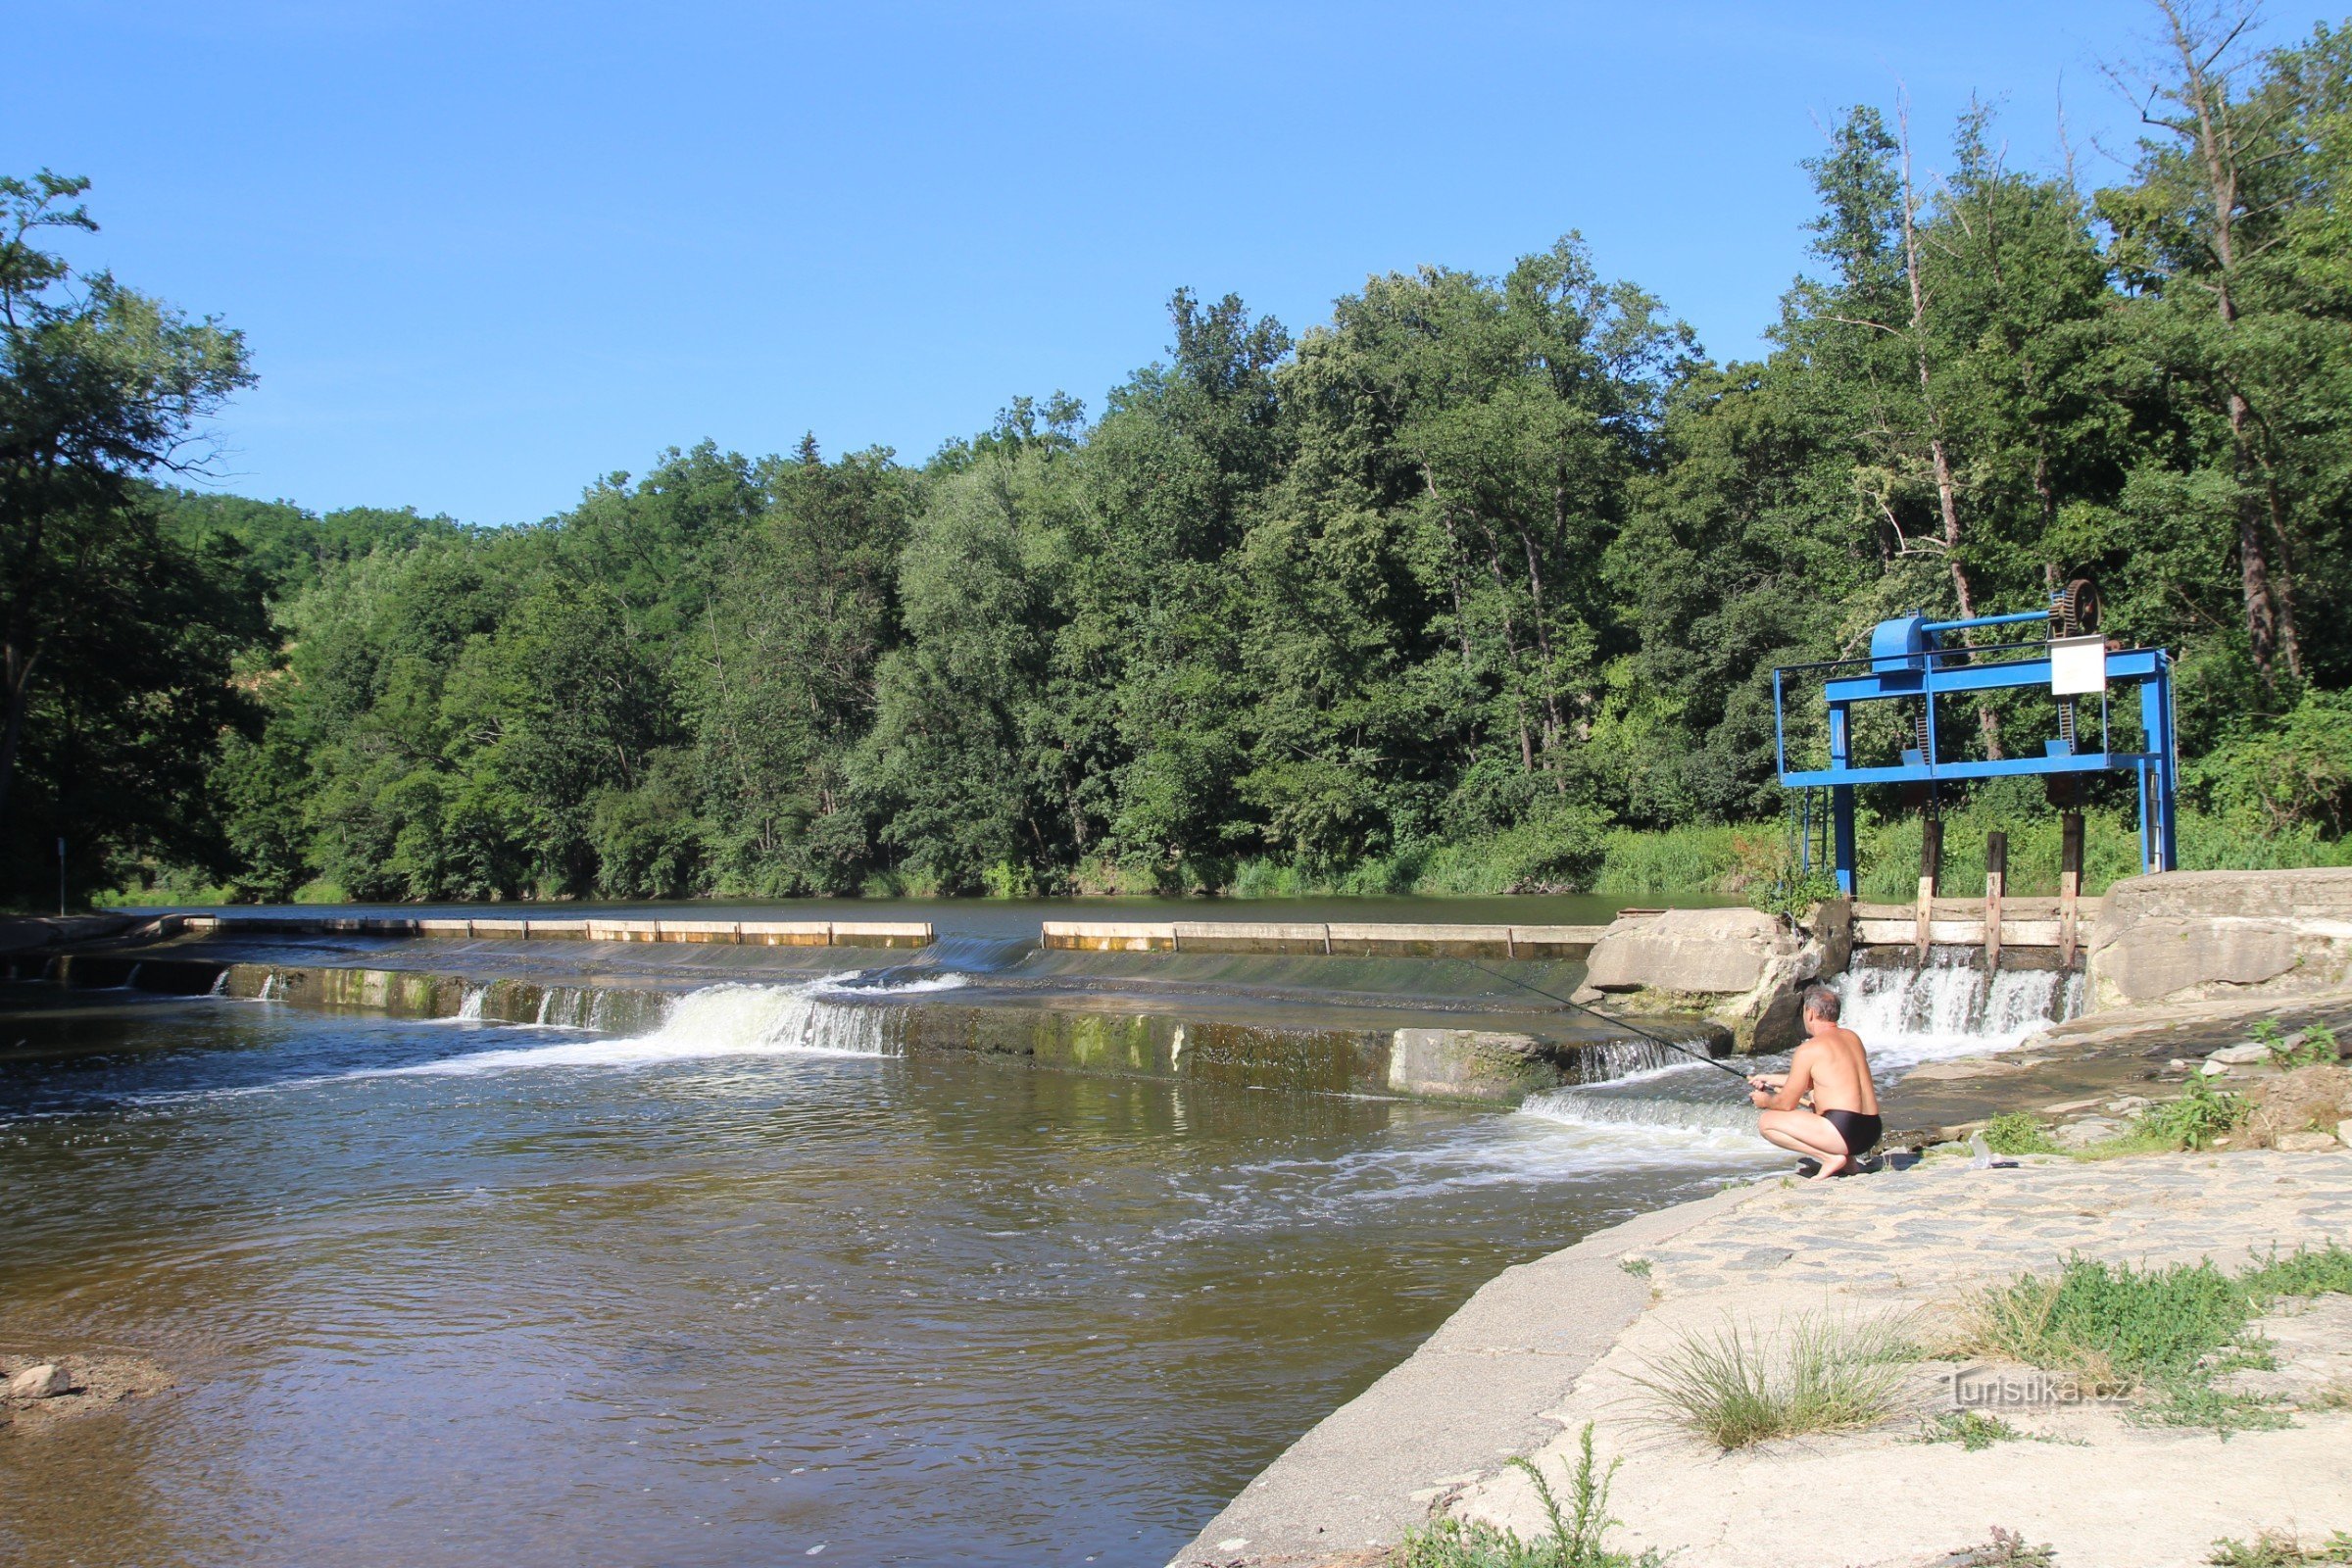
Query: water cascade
x: 716, y: 1021
x: 1951, y: 1007
x: 469, y: 1008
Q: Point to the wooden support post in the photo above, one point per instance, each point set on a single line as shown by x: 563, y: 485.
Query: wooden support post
x: 1931, y: 870
x: 1996, y: 873
x: 2069, y: 886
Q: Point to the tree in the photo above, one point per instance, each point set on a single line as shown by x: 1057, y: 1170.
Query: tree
x: 99, y: 385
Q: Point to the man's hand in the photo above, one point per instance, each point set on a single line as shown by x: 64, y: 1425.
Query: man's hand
x: 1763, y: 1086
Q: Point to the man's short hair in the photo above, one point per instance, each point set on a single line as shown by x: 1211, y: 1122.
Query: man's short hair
x: 1822, y: 1003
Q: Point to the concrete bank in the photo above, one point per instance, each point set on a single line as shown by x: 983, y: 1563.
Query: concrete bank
x: 1549, y: 1346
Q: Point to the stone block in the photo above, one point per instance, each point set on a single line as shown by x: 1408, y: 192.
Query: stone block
x: 2198, y: 935
x: 1718, y: 950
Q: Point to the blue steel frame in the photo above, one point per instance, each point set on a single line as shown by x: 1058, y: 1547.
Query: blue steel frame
x: 1933, y: 672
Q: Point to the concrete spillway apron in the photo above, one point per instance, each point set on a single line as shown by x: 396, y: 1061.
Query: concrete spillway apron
x: 1474, y: 1396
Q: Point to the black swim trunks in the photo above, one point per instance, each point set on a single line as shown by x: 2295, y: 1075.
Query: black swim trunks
x: 1860, y: 1132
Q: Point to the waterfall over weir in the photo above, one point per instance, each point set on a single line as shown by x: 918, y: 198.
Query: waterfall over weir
x: 1950, y: 1006
x: 723, y: 1020
x: 1907, y: 1015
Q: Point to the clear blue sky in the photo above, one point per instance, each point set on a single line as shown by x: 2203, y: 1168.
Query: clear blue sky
x: 485, y: 252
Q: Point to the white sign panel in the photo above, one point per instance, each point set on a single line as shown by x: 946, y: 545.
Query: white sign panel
x: 2078, y: 665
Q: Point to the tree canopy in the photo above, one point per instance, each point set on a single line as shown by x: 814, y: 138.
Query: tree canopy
x: 1483, y: 566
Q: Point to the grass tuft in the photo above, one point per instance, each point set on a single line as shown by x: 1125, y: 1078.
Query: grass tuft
x: 2005, y: 1550
x: 2278, y: 1549
x: 2170, y: 1331
x: 1973, y: 1429
x: 1577, y: 1538
x: 1816, y: 1374
x: 2014, y: 1132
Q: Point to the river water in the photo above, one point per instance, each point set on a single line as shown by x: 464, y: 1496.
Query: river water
x: 729, y: 1290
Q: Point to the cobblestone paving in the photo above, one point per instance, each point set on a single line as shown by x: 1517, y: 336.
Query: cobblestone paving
x: 1941, y: 1222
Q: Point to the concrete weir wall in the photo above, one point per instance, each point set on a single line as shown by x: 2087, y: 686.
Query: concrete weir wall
x: 1489, y: 1066
x: 751, y: 933
x: 1359, y: 941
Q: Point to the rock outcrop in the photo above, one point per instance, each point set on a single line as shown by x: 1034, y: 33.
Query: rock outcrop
x: 2195, y: 935
x: 1743, y: 969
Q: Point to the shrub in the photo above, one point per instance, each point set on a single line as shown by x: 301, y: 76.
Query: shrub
x: 2198, y: 1117
x: 2014, y: 1132
x: 1577, y: 1537
x: 2118, y: 1326
x: 1817, y: 1374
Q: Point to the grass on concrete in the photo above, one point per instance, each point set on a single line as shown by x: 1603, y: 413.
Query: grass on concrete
x: 2015, y: 1132
x: 1816, y: 1373
x: 2281, y: 1548
x: 1973, y: 1429
x: 2166, y: 1332
x: 1577, y: 1537
x: 2006, y: 1548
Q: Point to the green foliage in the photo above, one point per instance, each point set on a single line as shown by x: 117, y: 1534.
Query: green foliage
x: 1796, y: 894
x: 1973, y: 1429
x: 2118, y: 1326
x: 2316, y: 1048
x: 2281, y: 1548
x: 1577, y: 1535
x: 1814, y: 1373
x: 1476, y: 587
x: 2005, y: 1549
x: 2016, y: 1132
x: 2199, y: 1116
x: 2165, y: 1328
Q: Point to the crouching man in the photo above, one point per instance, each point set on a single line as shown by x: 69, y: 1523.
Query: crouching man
x: 1830, y: 1071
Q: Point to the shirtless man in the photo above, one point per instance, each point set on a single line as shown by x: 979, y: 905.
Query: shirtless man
x: 1833, y: 1070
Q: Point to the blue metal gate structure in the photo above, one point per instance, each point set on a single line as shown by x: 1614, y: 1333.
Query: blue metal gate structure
x: 1908, y: 662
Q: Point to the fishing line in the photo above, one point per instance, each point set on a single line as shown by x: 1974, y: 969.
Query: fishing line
x: 1613, y: 1019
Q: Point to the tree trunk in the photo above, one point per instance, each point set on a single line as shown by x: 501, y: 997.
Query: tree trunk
x: 15, y: 679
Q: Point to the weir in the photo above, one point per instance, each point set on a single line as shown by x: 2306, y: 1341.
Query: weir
x: 1408, y: 1018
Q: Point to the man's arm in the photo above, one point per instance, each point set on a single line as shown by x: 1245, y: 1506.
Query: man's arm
x: 1792, y: 1085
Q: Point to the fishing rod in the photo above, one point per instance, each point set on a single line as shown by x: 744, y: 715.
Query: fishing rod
x: 1612, y: 1018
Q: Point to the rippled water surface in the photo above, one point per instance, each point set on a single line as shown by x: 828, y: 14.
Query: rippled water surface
x: 445, y: 1293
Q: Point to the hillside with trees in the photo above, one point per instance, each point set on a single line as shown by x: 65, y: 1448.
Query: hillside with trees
x: 1466, y: 589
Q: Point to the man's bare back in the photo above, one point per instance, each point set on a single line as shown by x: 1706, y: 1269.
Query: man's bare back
x: 1832, y: 1068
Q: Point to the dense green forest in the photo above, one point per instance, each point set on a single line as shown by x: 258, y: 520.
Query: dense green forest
x: 1476, y: 586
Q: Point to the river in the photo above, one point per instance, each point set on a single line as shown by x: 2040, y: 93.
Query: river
x: 450, y: 1292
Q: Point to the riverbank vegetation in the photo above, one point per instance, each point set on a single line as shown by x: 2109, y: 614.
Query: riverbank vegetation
x: 1476, y: 586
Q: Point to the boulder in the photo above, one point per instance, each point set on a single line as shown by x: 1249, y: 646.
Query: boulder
x: 2306, y: 1142
x: 2197, y: 935
x: 1714, y: 951
x: 2245, y: 1055
x: 1742, y: 969
x: 40, y: 1382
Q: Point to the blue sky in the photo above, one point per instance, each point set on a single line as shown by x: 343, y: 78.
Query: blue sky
x: 487, y: 253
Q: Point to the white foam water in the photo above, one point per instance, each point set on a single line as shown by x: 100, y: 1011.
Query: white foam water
x: 1724, y: 1125
x: 469, y: 1008
x: 1948, y: 1007
x: 723, y: 1020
